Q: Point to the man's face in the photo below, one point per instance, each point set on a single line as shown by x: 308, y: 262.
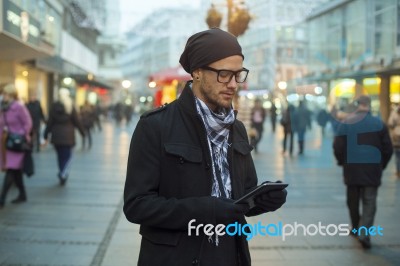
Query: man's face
x: 213, y: 93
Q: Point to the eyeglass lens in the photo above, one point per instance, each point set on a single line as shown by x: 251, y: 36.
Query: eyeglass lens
x: 225, y: 76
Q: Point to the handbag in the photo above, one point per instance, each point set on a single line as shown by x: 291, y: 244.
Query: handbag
x: 14, y: 141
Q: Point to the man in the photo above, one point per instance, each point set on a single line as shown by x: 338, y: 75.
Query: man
x: 363, y: 147
x: 272, y: 115
x: 257, y: 122
x: 36, y: 112
x: 190, y: 159
x: 301, y: 122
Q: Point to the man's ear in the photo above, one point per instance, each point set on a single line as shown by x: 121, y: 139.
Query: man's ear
x: 196, y: 74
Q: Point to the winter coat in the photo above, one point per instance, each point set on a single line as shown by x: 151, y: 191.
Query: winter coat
x: 301, y: 119
x: 18, y: 120
x: 36, y: 113
x: 169, y: 179
x: 394, y: 125
x: 61, y: 126
x: 363, y: 147
x: 87, y: 116
x: 286, y: 120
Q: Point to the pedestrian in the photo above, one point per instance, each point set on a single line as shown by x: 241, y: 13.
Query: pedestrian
x: 272, y: 115
x: 286, y: 122
x: 14, y: 118
x: 98, y: 113
x: 257, y: 122
x: 394, y: 125
x: 87, y: 118
x: 63, y: 119
x: 363, y: 148
x: 36, y: 112
x: 322, y: 120
x: 118, y: 113
x: 190, y: 159
x: 301, y: 121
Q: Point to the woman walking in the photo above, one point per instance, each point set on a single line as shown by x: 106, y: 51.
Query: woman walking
x: 394, y: 125
x: 63, y: 119
x: 14, y: 118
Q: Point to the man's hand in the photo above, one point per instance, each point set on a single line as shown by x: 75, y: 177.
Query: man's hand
x: 228, y: 212
x: 272, y: 200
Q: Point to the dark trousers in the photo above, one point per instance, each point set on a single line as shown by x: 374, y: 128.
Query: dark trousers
x: 300, y: 138
x: 367, y: 196
x: 36, y: 138
x: 259, y: 127
x: 397, y: 156
x: 288, y: 136
x: 88, y: 136
x: 13, y: 176
x: 64, y: 154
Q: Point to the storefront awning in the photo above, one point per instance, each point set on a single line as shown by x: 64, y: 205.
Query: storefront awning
x: 168, y: 75
x: 12, y: 49
x: 83, y: 79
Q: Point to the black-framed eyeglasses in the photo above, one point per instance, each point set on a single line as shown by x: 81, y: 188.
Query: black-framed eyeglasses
x: 225, y: 76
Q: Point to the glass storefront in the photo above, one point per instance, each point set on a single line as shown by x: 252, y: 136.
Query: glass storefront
x: 48, y: 17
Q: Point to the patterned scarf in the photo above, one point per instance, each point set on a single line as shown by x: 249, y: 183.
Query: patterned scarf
x: 217, y: 128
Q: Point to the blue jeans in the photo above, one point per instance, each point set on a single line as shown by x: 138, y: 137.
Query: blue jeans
x: 368, y: 196
x: 64, y: 154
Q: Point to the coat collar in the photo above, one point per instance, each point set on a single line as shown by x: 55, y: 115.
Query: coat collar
x: 186, y: 99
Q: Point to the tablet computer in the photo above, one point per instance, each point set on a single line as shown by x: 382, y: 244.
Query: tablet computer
x: 260, y: 189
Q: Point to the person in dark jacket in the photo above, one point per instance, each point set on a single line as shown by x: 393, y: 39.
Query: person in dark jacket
x: 363, y: 147
x: 63, y: 119
x: 301, y: 121
x: 273, y: 115
x: 323, y: 118
x: 258, y: 115
x: 36, y: 112
x: 190, y: 159
x: 286, y: 122
x: 87, y: 118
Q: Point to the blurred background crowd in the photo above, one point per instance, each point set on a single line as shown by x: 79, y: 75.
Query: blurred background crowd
x: 322, y: 53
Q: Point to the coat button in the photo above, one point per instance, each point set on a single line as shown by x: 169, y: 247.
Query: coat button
x: 181, y: 160
x: 195, y: 262
x: 207, y: 166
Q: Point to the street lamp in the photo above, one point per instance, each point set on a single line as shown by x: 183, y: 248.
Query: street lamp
x: 282, y: 85
x: 238, y: 17
x: 126, y: 84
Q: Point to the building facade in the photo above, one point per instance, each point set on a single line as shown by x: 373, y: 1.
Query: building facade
x: 48, y: 44
x: 156, y: 43
x: 29, y: 30
x: 354, y: 49
x: 110, y: 46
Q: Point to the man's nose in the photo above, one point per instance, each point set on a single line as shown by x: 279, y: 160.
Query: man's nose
x: 232, y: 83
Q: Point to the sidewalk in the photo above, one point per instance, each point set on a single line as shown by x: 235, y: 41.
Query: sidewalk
x: 82, y: 224
x: 68, y: 225
x: 316, y: 193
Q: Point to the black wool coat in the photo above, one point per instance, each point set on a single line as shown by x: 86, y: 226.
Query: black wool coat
x: 363, y: 147
x: 169, y: 179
